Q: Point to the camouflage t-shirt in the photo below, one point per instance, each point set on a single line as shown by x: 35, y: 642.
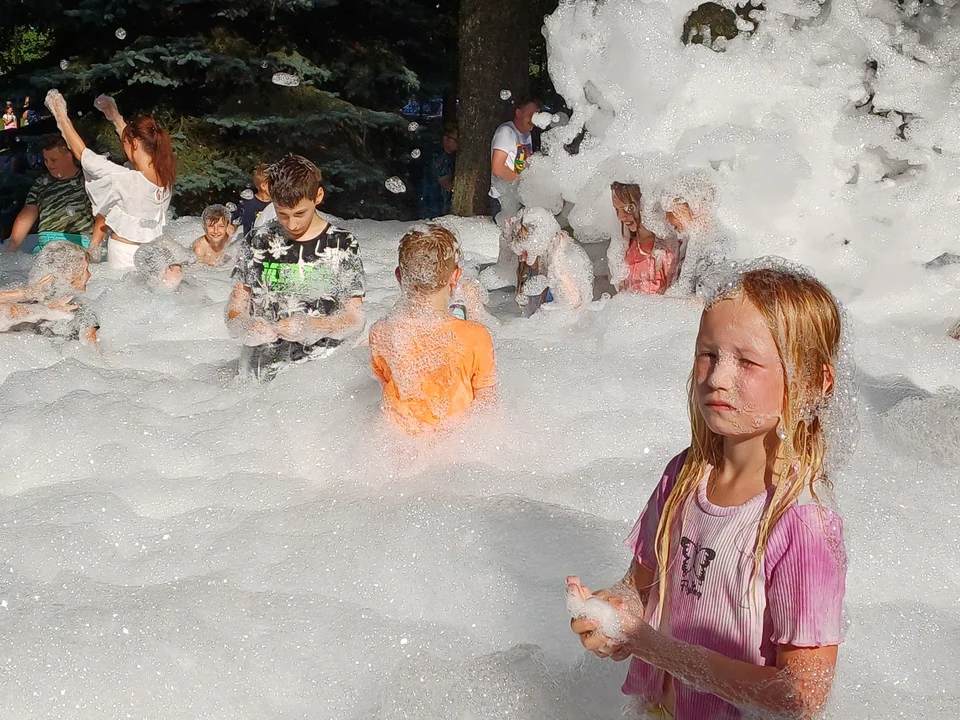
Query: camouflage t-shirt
x: 316, y: 277
x: 64, y: 205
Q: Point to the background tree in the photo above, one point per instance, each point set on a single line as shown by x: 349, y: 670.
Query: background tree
x: 501, y: 46
x: 204, y: 69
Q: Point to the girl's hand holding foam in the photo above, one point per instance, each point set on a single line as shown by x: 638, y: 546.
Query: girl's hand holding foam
x: 601, y: 619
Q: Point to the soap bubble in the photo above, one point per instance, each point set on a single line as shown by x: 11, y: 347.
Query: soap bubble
x: 413, y: 127
x: 286, y: 79
x: 505, y: 94
x: 247, y: 194
x: 121, y: 34
x: 415, y: 153
x: 231, y: 208
x: 80, y: 113
x: 395, y: 185
x: 263, y: 64
x: 64, y: 64
x: 556, y: 118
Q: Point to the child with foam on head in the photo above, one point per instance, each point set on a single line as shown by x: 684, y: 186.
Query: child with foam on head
x: 218, y: 230
x: 160, y: 264
x: 433, y: 366
x: 299, y: 280
x: 732, y: 605
x: 639, y: 261
x: 553, y: 268
x: 48, y: 304
x: 132, y: 203
x: 688, y: 201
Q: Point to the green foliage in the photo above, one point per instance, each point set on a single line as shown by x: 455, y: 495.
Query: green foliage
x: 711, y: 20
x: 22, y: 44
x: 203, y: 68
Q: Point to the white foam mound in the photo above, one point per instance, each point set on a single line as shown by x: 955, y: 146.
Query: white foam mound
x: 173, y: 544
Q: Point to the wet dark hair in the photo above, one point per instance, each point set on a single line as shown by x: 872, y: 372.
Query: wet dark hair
x: 525, y: 100
x: 294, y: 178
x: 54, y: 142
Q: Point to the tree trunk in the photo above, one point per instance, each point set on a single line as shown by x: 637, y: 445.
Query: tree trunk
x: 494, y: 56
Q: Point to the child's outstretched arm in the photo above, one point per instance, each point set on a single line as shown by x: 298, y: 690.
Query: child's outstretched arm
x: 108, y: 106
x: 13, y: 314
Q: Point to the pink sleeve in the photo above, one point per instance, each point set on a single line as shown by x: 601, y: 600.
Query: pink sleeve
x: 642, y: 539
x: 806, y: 569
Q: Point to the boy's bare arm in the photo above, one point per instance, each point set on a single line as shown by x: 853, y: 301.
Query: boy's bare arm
x: 308, y: 330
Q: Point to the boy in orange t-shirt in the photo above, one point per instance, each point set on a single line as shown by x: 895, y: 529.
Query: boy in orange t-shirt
x: 432, y: 365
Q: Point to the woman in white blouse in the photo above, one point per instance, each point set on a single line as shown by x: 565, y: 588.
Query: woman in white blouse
x: 132, y: 202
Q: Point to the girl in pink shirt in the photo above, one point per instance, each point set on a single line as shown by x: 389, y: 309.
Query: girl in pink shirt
x: 732, y: 604
x: 639, y: 261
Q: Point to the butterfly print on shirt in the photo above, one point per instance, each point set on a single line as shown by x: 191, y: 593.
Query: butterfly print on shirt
x: 696, y: 560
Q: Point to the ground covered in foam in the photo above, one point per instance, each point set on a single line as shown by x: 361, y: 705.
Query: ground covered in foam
x: 175, y: 544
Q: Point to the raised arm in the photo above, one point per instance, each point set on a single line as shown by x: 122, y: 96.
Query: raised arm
x: 108, y: 106
x: 58, y: 108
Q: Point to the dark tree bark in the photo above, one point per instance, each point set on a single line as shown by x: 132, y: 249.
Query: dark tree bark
x: 494, y: 56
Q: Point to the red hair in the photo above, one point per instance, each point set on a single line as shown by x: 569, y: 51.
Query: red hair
x: 155, y: 141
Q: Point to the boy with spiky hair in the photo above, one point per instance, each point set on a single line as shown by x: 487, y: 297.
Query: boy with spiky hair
x: 299, y: 280
x: 432, y: 365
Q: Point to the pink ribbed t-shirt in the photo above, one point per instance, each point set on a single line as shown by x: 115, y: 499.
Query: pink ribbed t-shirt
x: 712, y: 600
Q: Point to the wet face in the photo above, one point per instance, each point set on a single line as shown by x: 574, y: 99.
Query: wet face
x: 523, y: 117
x: 296, y: 220
x: 680, y: 216
x: 738, y: 375
x: 627, y: 213
x: 218, y: 230
x: 59, y: 163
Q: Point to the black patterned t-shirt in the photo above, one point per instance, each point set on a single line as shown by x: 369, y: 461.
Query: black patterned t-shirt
x: 286, y: 277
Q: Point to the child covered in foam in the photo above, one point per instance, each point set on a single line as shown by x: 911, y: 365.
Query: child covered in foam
x: 50, y: 302
x: 732, y: 605
x: 160, y: 264
x: 433, y: 366
x: 687, y: 202
x: 561, y: 270
x: 639, y: 261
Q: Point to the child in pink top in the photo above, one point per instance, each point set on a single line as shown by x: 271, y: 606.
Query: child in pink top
x: 732, y: 604
x: 639, y: 262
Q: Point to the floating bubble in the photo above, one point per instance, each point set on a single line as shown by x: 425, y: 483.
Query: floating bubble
x: 121, y: 34
x: 395, y: 185
x: 247, y: 194
x: 556, y: 118
x: 413, y: 127
x: 64, y: 64
x: 415, y: 153
x: 231, y: 208
x: 286, y: 79
x: 505, y: 94
x: 80, y: 113
x: 263, y: 64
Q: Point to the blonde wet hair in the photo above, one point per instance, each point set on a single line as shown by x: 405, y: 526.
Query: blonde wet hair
x: 428, y: 257
x: 805, y: 321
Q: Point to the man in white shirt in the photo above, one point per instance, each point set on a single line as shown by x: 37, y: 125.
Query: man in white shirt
x: 512, y: 146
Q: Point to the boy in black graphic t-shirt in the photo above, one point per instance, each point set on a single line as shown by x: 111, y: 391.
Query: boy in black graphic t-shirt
x: 300, y: 282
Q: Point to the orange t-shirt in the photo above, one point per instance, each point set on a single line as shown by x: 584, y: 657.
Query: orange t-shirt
x: 430, y: 369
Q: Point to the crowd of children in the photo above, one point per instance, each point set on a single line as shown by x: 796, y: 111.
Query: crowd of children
x: 732, y: 602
